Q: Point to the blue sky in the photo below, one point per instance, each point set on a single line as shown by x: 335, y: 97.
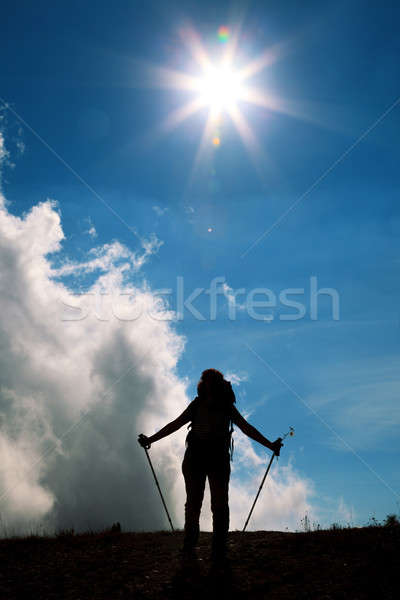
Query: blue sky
x: 82, y: 76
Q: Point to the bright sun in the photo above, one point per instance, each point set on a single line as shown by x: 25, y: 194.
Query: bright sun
x: 220, y: 88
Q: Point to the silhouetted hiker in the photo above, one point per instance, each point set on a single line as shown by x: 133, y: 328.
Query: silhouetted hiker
x: 211, y: 415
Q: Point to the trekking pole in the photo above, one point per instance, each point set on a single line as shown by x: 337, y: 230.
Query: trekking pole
x: 259, y: 490
x: 291, y: 433
x: 158, y: 487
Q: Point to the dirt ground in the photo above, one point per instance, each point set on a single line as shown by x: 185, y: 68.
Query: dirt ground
x: 352, y: 564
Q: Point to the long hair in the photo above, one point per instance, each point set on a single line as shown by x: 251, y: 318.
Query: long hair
x: 219, y: 388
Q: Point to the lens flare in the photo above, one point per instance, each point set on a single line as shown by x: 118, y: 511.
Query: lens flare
x: 223, y: 34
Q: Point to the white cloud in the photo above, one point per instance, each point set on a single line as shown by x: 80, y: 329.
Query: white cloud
x: 159, y: 210
x: 236, y: 378
x: 21, y: 146
x: 53, y: 372
x: 231, y: 296
x: 91, y: 231
x: 3, y: 151
x: 150, y: 246
x: 5, y: 154
x: 112, y: 257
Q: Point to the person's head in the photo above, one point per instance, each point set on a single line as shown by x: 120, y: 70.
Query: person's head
x: 212, y: 384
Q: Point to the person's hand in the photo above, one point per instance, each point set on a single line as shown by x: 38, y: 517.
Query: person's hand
x: 276, y: 446
x: 144, y: 441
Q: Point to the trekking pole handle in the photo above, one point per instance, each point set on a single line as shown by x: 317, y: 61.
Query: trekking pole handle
x: 144, y: 441
x: 277, y: 445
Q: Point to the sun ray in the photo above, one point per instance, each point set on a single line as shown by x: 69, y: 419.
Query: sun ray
x: 181, y: 114
x: 266, y: 59
x: 173, y: 120
x: 212, y: 120
x: 192, y: 40
x: 260, y: 159
x: 275, y: 103
x: 245, y: 132
x: 158, y: 77
x: 169, y: 78
x: 266, y: 100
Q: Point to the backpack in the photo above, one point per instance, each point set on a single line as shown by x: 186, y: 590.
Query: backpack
x: 191, y: 436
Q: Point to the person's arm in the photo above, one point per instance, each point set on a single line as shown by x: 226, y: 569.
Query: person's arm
x: 173, y: 426
x: 252, y: 432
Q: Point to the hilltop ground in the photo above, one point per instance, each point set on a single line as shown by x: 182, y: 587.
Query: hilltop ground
x: 353, y: 564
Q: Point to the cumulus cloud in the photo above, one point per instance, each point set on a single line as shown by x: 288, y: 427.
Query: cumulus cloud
x: 74, y: 394
x: 21, y: 470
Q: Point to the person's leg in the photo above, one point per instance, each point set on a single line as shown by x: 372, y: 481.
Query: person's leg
x: 195, y: 479
x: 218, y: 476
